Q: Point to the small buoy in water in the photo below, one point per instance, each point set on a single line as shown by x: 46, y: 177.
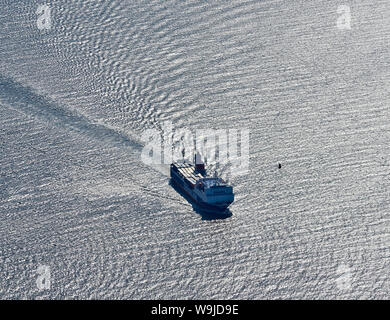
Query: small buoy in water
x: 280, y: 166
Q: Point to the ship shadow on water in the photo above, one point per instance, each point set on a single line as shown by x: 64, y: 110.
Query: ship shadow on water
x: 204, y: 213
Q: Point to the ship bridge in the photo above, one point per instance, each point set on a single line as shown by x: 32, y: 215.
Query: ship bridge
x: 212, y: 182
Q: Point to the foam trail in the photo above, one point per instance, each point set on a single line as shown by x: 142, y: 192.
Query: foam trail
x: 25, y: 100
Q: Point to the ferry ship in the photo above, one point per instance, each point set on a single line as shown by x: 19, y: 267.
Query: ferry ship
x: 211, y: 193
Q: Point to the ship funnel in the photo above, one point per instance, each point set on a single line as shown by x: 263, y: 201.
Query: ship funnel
x: 199, y: 165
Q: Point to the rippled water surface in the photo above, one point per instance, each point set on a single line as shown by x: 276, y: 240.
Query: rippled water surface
x: 76, y: 197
